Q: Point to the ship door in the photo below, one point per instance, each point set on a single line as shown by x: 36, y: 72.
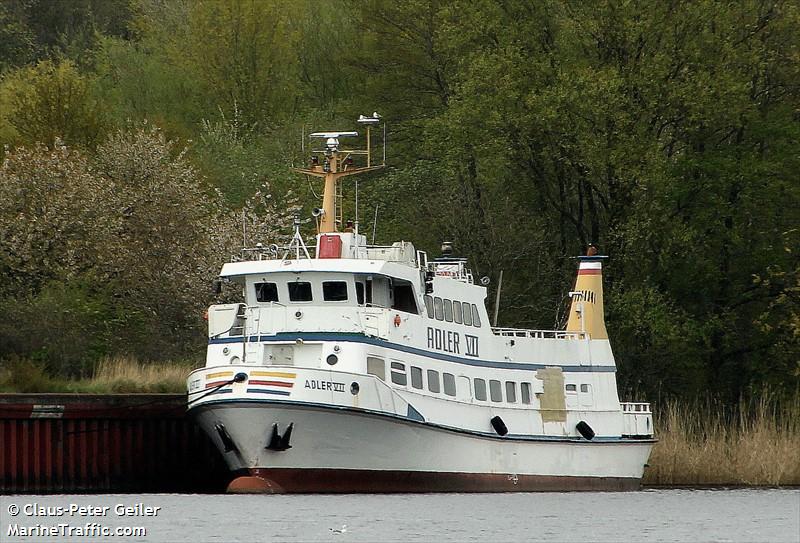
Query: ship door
x: 373, y: 321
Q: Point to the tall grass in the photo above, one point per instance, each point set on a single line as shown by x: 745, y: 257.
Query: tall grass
x: 757, y: 443
x: 111, y: 375
x: 121, y: 374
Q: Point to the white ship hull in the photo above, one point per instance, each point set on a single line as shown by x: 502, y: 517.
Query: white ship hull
x: 343, y: 450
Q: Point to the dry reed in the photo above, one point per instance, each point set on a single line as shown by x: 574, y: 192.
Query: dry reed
x: 757, y: 444
x: 120, y: 374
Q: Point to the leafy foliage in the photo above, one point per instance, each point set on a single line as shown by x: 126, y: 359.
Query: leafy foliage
x: 666, y: 133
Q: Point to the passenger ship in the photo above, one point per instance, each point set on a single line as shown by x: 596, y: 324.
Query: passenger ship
x: 352, y: 367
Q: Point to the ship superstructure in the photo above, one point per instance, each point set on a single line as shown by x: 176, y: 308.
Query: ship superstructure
x: 353, y: 367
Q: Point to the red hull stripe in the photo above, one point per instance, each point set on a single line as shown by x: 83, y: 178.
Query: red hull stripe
x: 271, y: 383
x: 217, y: 383
x: 299, y: 480
x: 589, y: 272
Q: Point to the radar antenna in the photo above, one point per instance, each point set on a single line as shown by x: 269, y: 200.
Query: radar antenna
x: 333, y: 163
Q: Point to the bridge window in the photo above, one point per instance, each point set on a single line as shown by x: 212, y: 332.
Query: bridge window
x: 416, y: 377
x: 334, y: 291
x: 476, y: 318
x: 511, y: 392
x: 299, y: 291
x: 457, y: 312
x: 449, y: 382
x: 438, y: 308
x: 480, y: 389
x: 399, y: 374
x: 433, y: 381
x: 525, y: 389
x: 429, y: 306
x: 403, y: 299
x: 585, y: 388
x: 572, y: 388
x: 467, y: 314
x: 448, y: 310
x: 495, y: 391
x: 376, y: 367
x: 266, y: 292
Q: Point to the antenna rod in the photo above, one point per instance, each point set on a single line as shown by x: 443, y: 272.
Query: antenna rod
x: 375, y: 224
x: 369, y: 161
x: 497, y: 298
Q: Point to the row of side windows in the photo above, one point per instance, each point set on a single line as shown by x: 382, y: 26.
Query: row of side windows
x: 496, y: 389
x: 443, y: 309
x: 399, y: 376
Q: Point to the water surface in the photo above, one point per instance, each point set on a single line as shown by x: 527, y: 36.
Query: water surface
x: 650, y: 515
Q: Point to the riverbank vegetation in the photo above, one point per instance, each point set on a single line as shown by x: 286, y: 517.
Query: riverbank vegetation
x: 753, y: 443
x: 139, y: 137
x: 109, y: 376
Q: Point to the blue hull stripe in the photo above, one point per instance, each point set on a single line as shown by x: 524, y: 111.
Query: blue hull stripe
x: 359, y: 338
x: 232, y: 402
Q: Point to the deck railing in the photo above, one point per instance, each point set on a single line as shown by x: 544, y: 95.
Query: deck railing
x: 636, y: 407
x: 538, y: 334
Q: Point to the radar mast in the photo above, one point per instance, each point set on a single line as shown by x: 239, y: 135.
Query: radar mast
x: 333, y: 164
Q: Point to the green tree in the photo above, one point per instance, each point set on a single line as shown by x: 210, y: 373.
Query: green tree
x: 52, y: 100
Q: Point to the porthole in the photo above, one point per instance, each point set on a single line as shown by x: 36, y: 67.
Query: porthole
x: 332, y: 359
x: 298, y: 314
x: 354, y: 388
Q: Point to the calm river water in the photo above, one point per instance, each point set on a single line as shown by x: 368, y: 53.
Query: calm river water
x: 650, y: 515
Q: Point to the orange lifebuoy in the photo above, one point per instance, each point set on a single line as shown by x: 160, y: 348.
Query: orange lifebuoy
x: 397, y: 320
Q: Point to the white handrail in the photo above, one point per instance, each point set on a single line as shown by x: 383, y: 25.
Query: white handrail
x: 538, y: 334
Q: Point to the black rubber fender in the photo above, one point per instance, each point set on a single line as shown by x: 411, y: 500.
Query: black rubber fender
x: 585, y: 430
x: 499, y: 426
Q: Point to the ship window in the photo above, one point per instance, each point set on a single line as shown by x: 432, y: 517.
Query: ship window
x: 376, y: 367
x: 511, y: 392
x: 360, y: 292
x: 399, y: 373
x: 449, y: 382
x: 416, y: 377
x: 480, y: 389
x: 467, y: 314
x: 457, y: 312
x: 438, y: 308
x: 433, y: 380
x: 266, y: 292
x: 495, y: 391
x: 572, y: 388
x: 299, y: 291
x: 369, y: 291
x: 334, y: 291
x: 448, y: 311
x: 429, y: 306
x: 476, y: 318
x: 584, y: 388
x: 403, y: 298
x: 525, y: 389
